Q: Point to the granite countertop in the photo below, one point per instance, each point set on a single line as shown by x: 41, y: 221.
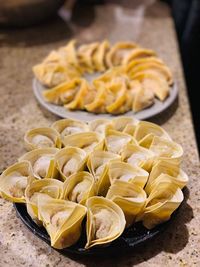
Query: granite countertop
x: 146, y: 22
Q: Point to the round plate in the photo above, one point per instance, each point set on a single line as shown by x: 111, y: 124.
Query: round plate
x: 132, y: 237
x: 62, y: 112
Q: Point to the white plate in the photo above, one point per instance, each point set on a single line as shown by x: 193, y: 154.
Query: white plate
x: 60, y: 111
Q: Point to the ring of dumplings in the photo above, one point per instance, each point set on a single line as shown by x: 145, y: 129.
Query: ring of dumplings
x: 114, y: 173
x: 130, y: 77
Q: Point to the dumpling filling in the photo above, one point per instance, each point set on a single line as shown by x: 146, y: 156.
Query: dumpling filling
x: 42, y: 141
x: 19, y: 183
x: 103, y: 223
x: 70, y: 167
x: 41, y: 165
x: 71, y: 130
x: 59, y: 217
x: 79, y: 190
x: 115, y: 144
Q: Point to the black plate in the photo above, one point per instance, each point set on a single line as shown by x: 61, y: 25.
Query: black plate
x: 132, y: 237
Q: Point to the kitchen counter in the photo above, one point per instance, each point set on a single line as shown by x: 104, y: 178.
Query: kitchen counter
x: 146, y: 22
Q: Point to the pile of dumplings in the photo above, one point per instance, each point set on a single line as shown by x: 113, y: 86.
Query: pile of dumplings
x: 111, y: 172
x: 130, y: 77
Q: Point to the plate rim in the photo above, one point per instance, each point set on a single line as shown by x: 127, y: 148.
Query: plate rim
x: 150, y: 112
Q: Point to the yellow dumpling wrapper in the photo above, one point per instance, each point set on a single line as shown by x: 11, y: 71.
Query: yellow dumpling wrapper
x: 119, y: 52
x: 138, y: 53
x: 63, y: 93
x: 62, y: 220
x: 99, y: 56
x: 14, y: 180
x: 129, y: 197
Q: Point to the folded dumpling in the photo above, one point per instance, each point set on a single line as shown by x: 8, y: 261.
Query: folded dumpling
x: 85, y: 56
x: 70, y: 160
x: 46, y: 188
x: 62, y: 220
x: 139, y: 53
x: 99, y: 56
x: 138, y: 156
x: 131, y: 198
x: 99, y: 125
x: 115, y: 140
x: 125, y: 172
x: 163, y: 200
x: 105, y: 221
x: 140, y: 61
x: 79, y: 187
x: 122, y: 124
x: 42, y: 138
x: 119, y: 52
x: 151, y: 81
x: 165, y: 148
x: 42, y: 162
x: 98, y: 165
x: 145, y: 132
x: 68, y: 126
x: 87, y: 141
x: 14, y: 180
x: 167, y: 168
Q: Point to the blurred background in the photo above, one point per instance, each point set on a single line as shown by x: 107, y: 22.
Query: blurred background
x: 16, y: 15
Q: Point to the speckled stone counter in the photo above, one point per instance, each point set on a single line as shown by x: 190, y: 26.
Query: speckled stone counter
x: 146, y: 22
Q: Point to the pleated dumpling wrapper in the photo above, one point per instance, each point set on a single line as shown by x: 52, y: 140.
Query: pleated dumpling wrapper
x: 99, y: 125
x: 129, y: 197
x: 98, y: 165
x: 167, y: 168
x: 139, y: 53
x: 63, y: 93
x: 124, y: 124
x: 115, y: 140
x: 14, y: 180
x: 70, y: 160
x: 85, y: 56
x: 79, y: 187
x: 125, y: 172
x: 136, y: 155
x: 152, y: 82
x: 42, y: 162
x: 49, y: 188
x: 62, y: 220
x: 42, y: 138
x: 163, y: 200
x: 164, y: 148
x: 66, y: 127
x: 145, y: 132
x: 88, y: 141
x: 119, y: 52
x: 105, y: 221
x: 99, y: 56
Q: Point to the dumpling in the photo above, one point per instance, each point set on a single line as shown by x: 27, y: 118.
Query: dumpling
x: 42, y: 138
x: 46, y: 188
x: 79, y: 187
x: 14, y: 180
x: 163, y: 200
x: 129, y: 197
x: 119, y: 52
x: 42, y: 162
x: 121, y: 124
x: 105, y: 221
x: 99, y: 56
x: 99, y: 125
x: 70, y: 160
x: 98, y: 165
x: 139, y: 53
x: 138, y: 156
x: 85, y: 56
x: 63, y: 93
x: 140, y: 61
x: 87, y: 141
x: 145, y: 132
x: 151, y: 81
x: 62, y: 220
x: 115, y: 141
x: 68, y: 126
x: 125, y: 172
